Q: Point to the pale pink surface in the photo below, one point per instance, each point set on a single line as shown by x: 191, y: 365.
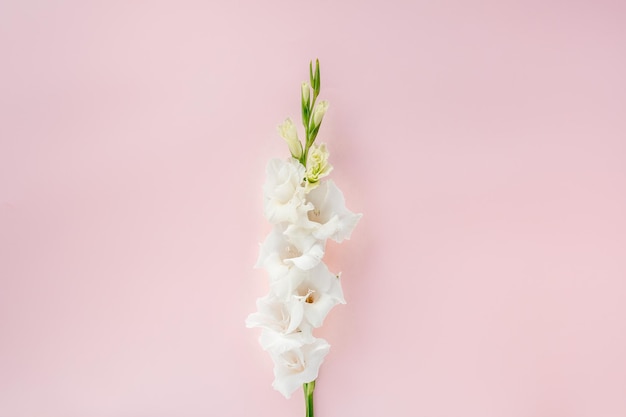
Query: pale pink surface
x: 485, y: 144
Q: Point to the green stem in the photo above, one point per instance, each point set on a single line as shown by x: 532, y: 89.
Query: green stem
x: 307, y: 124
x: 309, y: 387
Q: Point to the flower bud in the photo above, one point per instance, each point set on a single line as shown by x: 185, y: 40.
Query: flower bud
x: 288, y: 132
x: 306, y: 92
x: 319, y: 111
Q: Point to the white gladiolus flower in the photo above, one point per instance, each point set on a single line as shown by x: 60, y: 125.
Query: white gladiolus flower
x: 279, y: 251
x: 288, y: 132
x: 282, y: 324
x: 319, y: 111
x: 284, y: 193
x: 284, y: 273
x: 276, y: 315
x: 283, y: 278
x: 329, y: 217
x: 309, y: 249
x: 317, y: 294
x: 294, y: 367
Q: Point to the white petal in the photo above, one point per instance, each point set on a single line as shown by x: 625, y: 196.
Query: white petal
x: 310, y: 258
x: 278, y: 343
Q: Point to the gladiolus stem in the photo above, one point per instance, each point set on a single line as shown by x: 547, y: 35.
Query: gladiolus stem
x: 309, y: 387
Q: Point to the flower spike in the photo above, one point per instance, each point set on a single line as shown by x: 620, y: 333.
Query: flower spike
x: 305, y: 210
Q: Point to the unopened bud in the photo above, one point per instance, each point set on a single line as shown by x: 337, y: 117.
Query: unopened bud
x: 288, y: 132
x: 306, y: 92
x: 319, y: 111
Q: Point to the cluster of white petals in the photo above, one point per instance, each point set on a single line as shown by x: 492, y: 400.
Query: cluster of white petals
x: 304, y: 214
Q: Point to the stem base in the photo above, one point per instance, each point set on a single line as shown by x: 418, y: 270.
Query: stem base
x: 309, y: 387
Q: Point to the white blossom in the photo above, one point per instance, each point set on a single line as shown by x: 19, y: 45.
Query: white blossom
x: 283, y: 328
x: 329, y: 218
x: 317, y: 294
x: 294, y: 367
x: 276, y: 315
x: 284, y: 191
x: 279, y: 252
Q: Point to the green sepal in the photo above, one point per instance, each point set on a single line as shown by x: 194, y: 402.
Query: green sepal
x: 305, y: 115
x: 306, y: 110
x: 317, y: 77
x: 313, y: 134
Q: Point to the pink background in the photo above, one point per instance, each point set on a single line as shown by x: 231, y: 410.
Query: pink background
x: 484, y: 142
